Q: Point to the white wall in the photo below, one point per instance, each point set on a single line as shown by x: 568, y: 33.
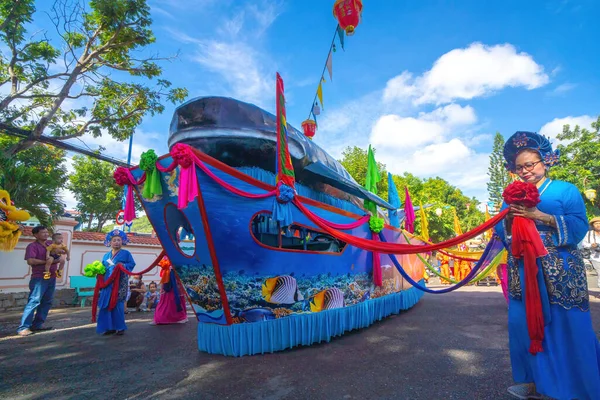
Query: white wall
x: 15, y: 273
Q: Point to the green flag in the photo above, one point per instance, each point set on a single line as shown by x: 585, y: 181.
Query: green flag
x: 373, y: 178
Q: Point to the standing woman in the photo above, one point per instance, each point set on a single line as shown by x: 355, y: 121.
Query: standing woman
x: 171, y: 308
x: 569, y: 365
x: 113, y: 321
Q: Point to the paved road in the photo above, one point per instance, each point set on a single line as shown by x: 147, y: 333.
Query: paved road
x: 452, y: 346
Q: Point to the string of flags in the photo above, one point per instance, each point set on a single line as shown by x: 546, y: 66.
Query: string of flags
x: 348, y: 14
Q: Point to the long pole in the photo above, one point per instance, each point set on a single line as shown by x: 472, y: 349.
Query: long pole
x: 323, y: 72
x: 125, y: 187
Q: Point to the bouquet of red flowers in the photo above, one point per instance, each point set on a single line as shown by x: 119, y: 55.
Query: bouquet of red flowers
x: 527, y: 244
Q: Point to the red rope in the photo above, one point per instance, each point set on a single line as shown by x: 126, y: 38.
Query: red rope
x: 229, y: 187
x: 528, y: 245
x: 115, y: 276
x: 396, y: 248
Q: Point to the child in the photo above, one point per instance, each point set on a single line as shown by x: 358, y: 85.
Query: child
x: 152, y: 297
x: 56, y: 251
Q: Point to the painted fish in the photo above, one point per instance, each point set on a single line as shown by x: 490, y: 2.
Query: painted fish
x: 281, y: 290
x: 193, y: 294
x: 327, y: 299
x: 256, y: 315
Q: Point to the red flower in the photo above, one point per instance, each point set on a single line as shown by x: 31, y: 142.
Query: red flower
x: 522, y: 193
x: 121, y: 176
x: 182, y: 154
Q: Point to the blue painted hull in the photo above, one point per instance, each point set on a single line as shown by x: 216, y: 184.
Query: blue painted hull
x: 226, y: 254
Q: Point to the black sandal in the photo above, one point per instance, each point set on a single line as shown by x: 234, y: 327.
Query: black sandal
x: 120, y: 333
x: 109, y: 332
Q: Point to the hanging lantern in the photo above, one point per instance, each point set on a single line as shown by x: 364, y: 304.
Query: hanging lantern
x: 310, y: 128
x: 590, y: 194
x: 348, y: 13
x: 438, y: 212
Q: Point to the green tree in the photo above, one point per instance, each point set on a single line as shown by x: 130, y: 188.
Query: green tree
x: 98, y: 196
x: 90, y: 76
x: 499, y: 177
x: 435, y: 191
x: 355, y: 160
x: 579, y: 160
x: 140, y: 225
x: 33, y: 178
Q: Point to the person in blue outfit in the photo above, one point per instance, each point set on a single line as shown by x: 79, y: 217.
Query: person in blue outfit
x: 569, y: 365
x: 113, y: 321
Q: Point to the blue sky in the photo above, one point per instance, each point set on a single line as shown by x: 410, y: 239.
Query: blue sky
x: 427, y: 83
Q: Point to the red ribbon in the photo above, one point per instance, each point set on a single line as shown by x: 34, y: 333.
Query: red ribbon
x: 527, y: 244
x: 115, y: 278
x: 377, y: 276
x: 396, y: 248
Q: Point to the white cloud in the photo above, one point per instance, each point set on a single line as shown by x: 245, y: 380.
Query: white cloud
x: 238, y: 65
x: 234, y: 54
x: 452, y: 115
x: 468, y: 73
x: 451, y: 160
x: 398, y: 133
x: 433, y: 144
x: 554, y: 127
x: 565, y: 87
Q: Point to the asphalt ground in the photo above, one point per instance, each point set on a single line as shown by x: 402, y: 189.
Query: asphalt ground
x: 452, y: 346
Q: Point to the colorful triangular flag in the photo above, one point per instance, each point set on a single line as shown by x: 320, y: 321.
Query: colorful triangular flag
x: 320, y: 94
x: 340, y: 33
x: 330, y: 66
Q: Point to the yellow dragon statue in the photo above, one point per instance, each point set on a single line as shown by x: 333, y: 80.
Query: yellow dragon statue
x: 10, y: 230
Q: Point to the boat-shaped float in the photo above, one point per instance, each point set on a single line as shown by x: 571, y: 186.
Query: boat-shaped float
x: 257, y: 286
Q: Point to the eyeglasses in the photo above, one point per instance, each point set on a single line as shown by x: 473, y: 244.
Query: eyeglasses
x: 527, y: 166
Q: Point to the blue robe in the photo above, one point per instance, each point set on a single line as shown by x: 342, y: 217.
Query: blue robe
x: 114, y: 320
x: 569, y: 366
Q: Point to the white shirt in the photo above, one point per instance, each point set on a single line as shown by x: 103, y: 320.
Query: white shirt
x: 590, y: 238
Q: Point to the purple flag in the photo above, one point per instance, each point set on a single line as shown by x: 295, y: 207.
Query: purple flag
x: 409, y: 211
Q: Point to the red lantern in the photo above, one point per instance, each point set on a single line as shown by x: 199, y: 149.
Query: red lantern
x: 348, y: 12
x: 310, y: 128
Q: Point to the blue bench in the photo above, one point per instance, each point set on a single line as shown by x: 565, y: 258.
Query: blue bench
x: 83, y: 286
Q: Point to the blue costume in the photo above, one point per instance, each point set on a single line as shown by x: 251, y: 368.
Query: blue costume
x: 569, y: 366
x: 114, y: 320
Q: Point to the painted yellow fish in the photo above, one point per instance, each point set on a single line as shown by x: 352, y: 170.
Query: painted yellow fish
x: 281, y: 290
x: 327, y: 299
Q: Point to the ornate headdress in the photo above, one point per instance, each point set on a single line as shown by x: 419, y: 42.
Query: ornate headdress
x: 114, y: 233
x: 529, y: 140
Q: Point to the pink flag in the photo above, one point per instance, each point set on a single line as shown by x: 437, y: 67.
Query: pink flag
x: 409, y: 211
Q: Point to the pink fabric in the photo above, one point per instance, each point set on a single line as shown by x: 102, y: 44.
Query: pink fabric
x: 166, y: 309
x: 129, y: 205
x: 377, y: 276
x: 409, y: 211
x: 504, y: 280
x: 188, y: 185
x: 166, y: 169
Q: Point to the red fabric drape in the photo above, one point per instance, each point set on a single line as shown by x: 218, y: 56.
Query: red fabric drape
x: 114, y: 277
x: 528, y: 245
x: 343, y: 227
x: 377, y: 278
x: 396, y: 248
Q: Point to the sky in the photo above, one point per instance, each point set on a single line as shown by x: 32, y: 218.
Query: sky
x: 426, y: 83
